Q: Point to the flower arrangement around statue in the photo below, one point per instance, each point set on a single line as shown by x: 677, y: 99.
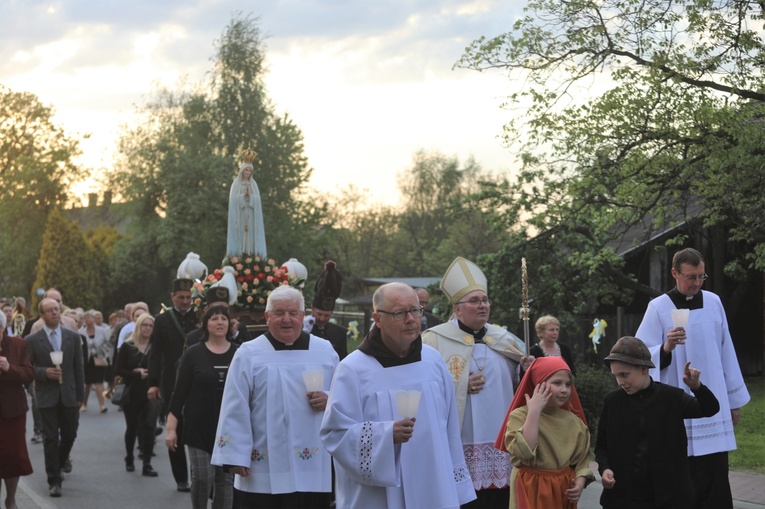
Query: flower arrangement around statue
x: 255, y: 279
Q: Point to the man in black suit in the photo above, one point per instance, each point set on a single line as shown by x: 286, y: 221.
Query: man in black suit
x: 59, y: 389
x: 327, y: 290
x: 428, y: 319
x: 167, y: 340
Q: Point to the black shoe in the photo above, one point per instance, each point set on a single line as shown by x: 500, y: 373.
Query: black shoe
x: 54, y: 490
x: 184, y: 486
x: 148, y: 471
x: 67, y: 468
x: 129, y: 465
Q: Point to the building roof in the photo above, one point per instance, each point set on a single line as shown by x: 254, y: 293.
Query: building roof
x: 415, y: 282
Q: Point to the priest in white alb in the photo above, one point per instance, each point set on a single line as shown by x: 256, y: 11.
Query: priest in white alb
x: 689, y: 324
x: 391, y: 423
x: 273, y: 402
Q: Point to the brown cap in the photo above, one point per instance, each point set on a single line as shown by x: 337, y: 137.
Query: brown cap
x: 630, y: 351
x: 216, y: 294
x: 182, y: 284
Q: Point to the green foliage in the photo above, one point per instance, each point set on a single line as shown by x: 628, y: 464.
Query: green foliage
x: 749, y: 455
x: 68, y: 264
x: 620, y: 122
x: 438, y: 221
x: 592, y: 383
x: 178, y: 166
x: 101, y: 242
x: 36, y: 170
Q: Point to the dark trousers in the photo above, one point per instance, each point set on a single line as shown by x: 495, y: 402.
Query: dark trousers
x: 178, y: 463
x: 140, y: 422
x: 59, y: 425
x: 710, y: 481
x: 498, y: 498
x: 296, y: 500
x: 36, y: 419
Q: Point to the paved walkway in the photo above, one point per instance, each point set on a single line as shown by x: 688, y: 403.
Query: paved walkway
x: 748, y: 491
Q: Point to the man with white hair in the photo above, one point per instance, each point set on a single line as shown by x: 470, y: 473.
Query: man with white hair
x: 268, y: 428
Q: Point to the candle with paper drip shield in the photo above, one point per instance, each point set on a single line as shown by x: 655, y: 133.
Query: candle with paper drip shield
x: 57, y: 358
x: 407, y: 403
x: 680, y: 317
x: 314, y: 380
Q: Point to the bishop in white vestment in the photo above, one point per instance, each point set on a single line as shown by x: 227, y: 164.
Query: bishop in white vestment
x: 484, y: 362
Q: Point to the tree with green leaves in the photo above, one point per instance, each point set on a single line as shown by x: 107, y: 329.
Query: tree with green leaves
x: 634, y: 115
x: 68, y: 263
x: 177, y: 166
x: 439, y: 219
x: 37, y: 169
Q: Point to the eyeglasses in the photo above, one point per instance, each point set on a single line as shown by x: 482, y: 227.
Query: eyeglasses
x: 400, y: 315
x: 695, y: 278
x: 476, y: 302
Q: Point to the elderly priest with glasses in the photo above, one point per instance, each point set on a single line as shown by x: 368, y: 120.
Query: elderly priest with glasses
x: 484, y: 362
x: 391, y: 421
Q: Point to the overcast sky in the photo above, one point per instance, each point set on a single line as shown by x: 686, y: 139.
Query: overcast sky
x: 368, y: 82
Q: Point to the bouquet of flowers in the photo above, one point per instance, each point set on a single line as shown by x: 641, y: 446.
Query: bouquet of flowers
x: 255, y: 278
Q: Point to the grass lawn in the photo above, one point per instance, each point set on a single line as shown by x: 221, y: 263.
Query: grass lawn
x: 750, y: 432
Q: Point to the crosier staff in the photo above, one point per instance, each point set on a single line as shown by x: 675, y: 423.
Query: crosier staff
x: 525, y: 303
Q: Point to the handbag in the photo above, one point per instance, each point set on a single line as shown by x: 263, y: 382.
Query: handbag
x: 120, y: 394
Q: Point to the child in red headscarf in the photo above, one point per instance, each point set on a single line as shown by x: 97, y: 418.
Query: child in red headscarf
x: 546, y: 434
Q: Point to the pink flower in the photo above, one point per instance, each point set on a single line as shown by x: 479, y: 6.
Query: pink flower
x: 270, y: 279
x: 234, y: 259
x: 247, y: 271
x: 244, y: 286
x: 238, y: 266
x: 249, y: 298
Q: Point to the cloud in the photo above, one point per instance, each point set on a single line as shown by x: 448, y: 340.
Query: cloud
x: 369, y: 83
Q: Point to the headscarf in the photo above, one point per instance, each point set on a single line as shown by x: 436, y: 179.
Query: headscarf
x: 541, y: 369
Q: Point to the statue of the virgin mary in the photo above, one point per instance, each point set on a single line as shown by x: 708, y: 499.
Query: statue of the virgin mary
x: 246, y: 235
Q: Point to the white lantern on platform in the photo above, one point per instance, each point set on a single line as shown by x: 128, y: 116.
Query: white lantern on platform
x: 297, y: 270
x: 192, y: 268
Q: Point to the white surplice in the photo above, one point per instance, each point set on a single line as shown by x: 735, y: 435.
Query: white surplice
x: 266, y: 422
x: 484, y: 412
x: 371, y: 472
x: 709, y: 347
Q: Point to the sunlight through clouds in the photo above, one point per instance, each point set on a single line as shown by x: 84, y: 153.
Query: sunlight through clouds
x: 369, y: 84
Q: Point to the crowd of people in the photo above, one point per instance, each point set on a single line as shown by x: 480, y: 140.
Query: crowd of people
x: 422, y: 414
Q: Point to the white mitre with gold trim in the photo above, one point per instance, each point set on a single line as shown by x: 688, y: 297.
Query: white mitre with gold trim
x: 461, y: 278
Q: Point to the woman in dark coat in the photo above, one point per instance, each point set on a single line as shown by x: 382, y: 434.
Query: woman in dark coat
x: 140, y: 413
x: 197, y: 396
x: 15, y: 371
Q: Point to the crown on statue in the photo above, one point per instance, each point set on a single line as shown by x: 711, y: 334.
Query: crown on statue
x: 248, y: 155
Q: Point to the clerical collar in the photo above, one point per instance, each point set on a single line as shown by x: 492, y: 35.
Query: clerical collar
x: 374, y: 346
x: 300, y: 343
x: 682, y: 302
x: 477, y: 334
